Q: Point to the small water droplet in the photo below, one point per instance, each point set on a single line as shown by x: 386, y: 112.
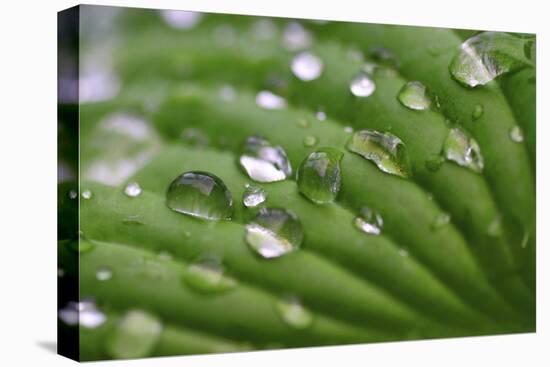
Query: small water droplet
x: 348, y: 129
x: 306, y: 66
x: 462, y: 149
x: 135, y: 335
x: 200, y: 194
x: 87, y: 194
x: 133, y: 220
x: 253, y: 196
x: 321, y: 115
x: 441, y: 220
x: 319, y: 175
x: 385, y: 150
x: 294, y: 314
x: 477, y: 112
x: 369, y: 221
x: 434, y: 163
x: 225, y: 35
x: 73, y: 194
x: 302, y: 122
x: 516, y: 134
x: 195, y: 137
x: 310, y: 141
x: 274, y: 232
x: 181, y: 19
x: 362, y: 85
x: 413, y: 95
x: 84, y: 313
x: 296, y: 37
x: 103, y: 274
x: 60, y: 272
x: 132, y: 189
x: 81, y: 246
x: 264, y: 162
x: 495, y: 227
x: 270, y: 101
x: 207, y: 276
x: 227, y: 93
x: 403, y: 252
x: 384, y: 57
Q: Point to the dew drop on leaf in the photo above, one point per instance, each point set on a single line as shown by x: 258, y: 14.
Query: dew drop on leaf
x: 87, y: 194
x: 516, y: 134
x: 321, y: 115
x: 310, y: 141
x: 135, y: 335
x: 208, y: 276
x: 181, y: 19
x: 362, y: 85
x: 270, y: 101
x: 264, y: 162
x: 306, y: 66
x: 200, y: 194
x: 84, y: 313
x: 103, y: 274
x: 132, y: 189
x: 319, y: 175
x: 253, y: 196
x: 462, y: 149
x: 294, y: 314
x: 477, y: 112
x: 441, y: 220
x: 369, y: 221
x: 227, y: 93
x: 413, y: 96
x: 274, y: 232
x: 296, y: 37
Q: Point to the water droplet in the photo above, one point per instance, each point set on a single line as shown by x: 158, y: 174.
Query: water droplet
x: 303, y: 122
x: 516, y: 134
x: 200, y: 194
x: 60, y: 272
x: 362, y: 85
x: 103, y: 274
x: 384, y: 57
x: 386, y: 150
x: 296, y: 37
x: 462, y: 149
x: 348, y: 129
x: 207, y: 276
x: 132, y: 189
x: 133, y: 220
x: 477, y: 112
x: 195, y: 137
x: 306, y: 66
x: 294, y: 314
x: 87, y: 194
x: 403, y: 252
x: 270, y: 101
x: 84, y: 313
x: 495, y: 227
x: 310, y: 141
x: 225, y: 34
x: 180, y: 19
x: 274, y: 232
x: 434, y: 163
x: 81, y: 246
x: 413, y: 95
x: 321, y: 115
x: 264, y: 162
x: 73, y: 194
x: 485, y: 56
x: 369, y: 221
x: 254, y: 196
x: 135, y: 336
x: 227, y: 93
x: 441, y: 220
x: 264, y: 29
x: 319, y: 175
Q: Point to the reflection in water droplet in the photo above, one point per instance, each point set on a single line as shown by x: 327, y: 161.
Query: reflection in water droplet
x: 362, y: 85
x: 441, y: 220
x: 516, y: 134
x: 369, y: 221
x: 413, y: 95
x: 462, y: 149
x: 181, y: 19
x: 387, y: 151
x: 270, y: 101
x: 253, y: 196
x: 295, y: 37
x: 310, y: 141
x: 200, y: 194
x: 103, y: 274
x: 208, y: 276
x: 477, y: 112
x: 274, y: 232
x: 135, y: 335
x: 319, y: 175
x: 132, y: 189
x: 294, y: 314
x: 264, y: 162
x: 87, y: 194
x: 306, y: 66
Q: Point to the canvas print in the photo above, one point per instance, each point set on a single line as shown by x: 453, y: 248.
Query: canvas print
x: 232, y: 183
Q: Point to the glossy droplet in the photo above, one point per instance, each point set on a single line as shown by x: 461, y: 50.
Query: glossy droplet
x: 294, y: 314
x: 296, y: 37
x: 516, y: 134
x: 208, y: 276
x: 87, y: 194
x: 495, y: 227
x: 132, y: 190
x: 135, y: 336
x: 274, y: 232
x: 254, y: 196
x: 264, y: 162
x: 270, y: 101
x: 362, y: 85
x: 369, y: 221
x: 387, y: 151
x: 477, y: 112
x: 310, y: 141
x: 84, y: 313
x: 413, y: 95
x: 306, y: 66
x: 485, y: 56
x: 462, y: 149
x: 200, y: 194
x: 180, y: 19
x: 441, y: 220
x: 319, y: 175
x: 434, y: 163
x: 103, y: 274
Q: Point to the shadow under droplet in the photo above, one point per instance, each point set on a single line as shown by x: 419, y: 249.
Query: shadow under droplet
x: 50, y: 346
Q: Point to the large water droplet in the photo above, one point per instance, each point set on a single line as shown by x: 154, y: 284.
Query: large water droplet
x: 362, y: 85
x: 485, y: 56
x: 264, y: 162
x: 294, y: 314
x: 516, y: 134
x: 181, y: 19
x: 135, y: 336
x: 208, y: 276
x: 369, y: 221
x: 319, y: 175
x: 306, y: 66
x: 200, y: 194
x: 387, y: 151
x: 274, y: 232
x: 103, y: 274
x: 270, y: 101
x: 253, y: 196
x: 441, y: 220
x: 132, y: 189
x: 462, y: 149
x: 413, y: 95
